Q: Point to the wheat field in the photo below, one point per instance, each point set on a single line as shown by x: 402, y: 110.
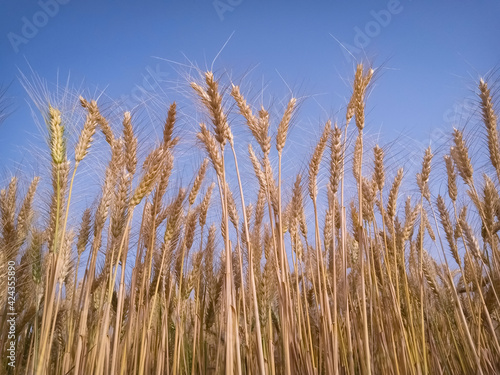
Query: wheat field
x: 213, y: 276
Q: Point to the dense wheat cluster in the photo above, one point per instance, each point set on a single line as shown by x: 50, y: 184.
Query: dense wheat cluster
x: 152, y: 282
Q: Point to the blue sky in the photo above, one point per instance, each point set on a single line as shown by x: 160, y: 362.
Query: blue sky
x: 429, y: 56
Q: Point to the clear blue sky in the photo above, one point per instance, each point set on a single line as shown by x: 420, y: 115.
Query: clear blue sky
x: 430, y: 53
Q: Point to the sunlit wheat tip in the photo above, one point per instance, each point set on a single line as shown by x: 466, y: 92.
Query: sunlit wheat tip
x: 205, y: 204
x: 56, y: 131
x: 460, y: 154
x: 335, y: 158
x: 130, y: 144
x: 284, y: 123
x: 86, y: 135
x: 379, y: 173
x: 315, y: 162
x: 198, y: 181
x: 393, y: 194
x: 211, y: 147
x: 452, y: 177
x: 490, y: 121
x: 168, y: 128
x: 148, y: 180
